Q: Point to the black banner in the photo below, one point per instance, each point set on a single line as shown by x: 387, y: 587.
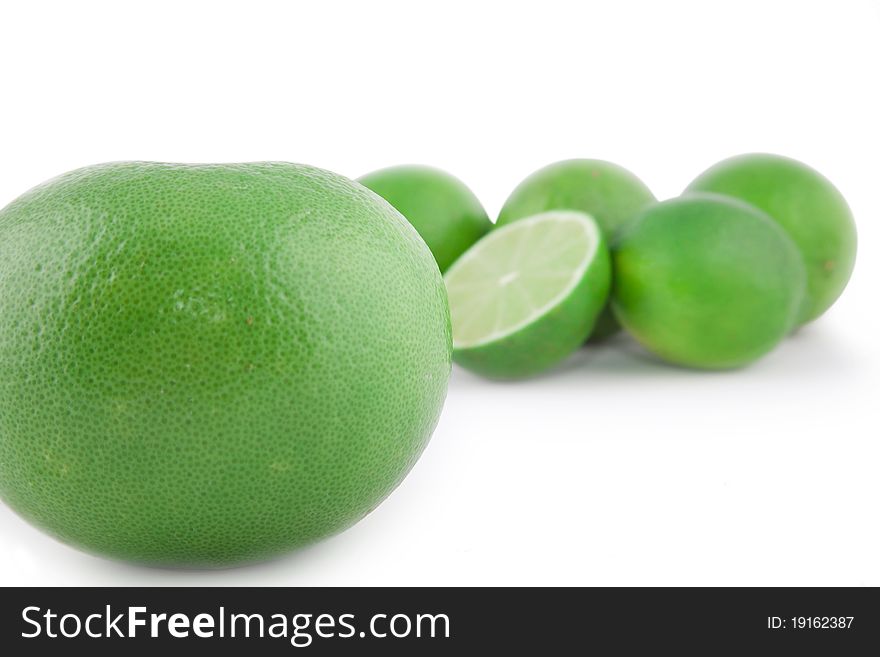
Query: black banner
x: 419, y: 621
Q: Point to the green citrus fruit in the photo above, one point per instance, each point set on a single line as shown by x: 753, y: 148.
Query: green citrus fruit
x: 210, y: 364
x: 707, y: 281
x: 445, y: 212
x: 806, y: 205
x: 526, y: 296
x: 605, y: 191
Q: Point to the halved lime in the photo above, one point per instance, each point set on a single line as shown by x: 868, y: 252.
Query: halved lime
x: 527, y: 295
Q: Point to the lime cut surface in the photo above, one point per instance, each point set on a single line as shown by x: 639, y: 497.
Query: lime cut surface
x: 528, y: 294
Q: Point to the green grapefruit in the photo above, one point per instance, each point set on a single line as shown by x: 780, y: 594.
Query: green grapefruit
x: 707, y: 281
x: 210, y: 364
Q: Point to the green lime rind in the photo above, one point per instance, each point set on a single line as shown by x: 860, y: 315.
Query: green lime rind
x: 609, y: 193
x: 553, y: 331
x: 707, y: 281
x: 807, y: 205
x: 444, y: 211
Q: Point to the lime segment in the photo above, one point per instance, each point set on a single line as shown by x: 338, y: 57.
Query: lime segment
x: 527, y: 294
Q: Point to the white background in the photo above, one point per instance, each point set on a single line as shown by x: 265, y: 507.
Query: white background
x: 613, y: 470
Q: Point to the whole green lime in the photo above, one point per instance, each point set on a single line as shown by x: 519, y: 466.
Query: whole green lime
x: 447, y: 214
x: 607, y: 192
x: 805, y: 203
x: 707, y: 281
x: 210, y: 364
